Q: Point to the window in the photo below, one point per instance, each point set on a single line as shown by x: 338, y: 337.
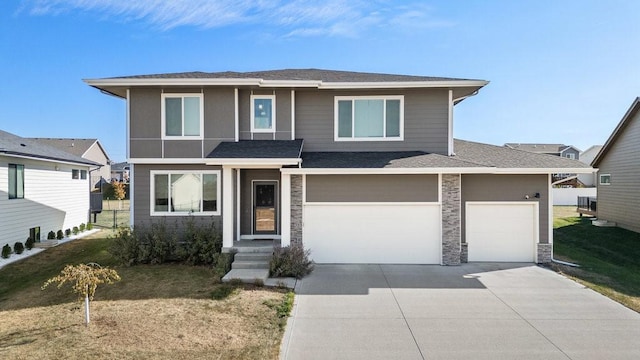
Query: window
x: 185, y: 193
x: 16, y: 181
x: 605, y: 179
x: 75, y: 174
x: 369, y: 118
x: 83, y: 174
x: 263, y: 113
x: 182, y: 116
x: 571, y: 156
x: 34, y: 233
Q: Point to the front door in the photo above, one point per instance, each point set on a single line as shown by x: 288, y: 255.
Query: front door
x: 265, y: 207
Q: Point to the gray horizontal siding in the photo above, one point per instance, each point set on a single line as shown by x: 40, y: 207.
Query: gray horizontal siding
x: 372, y: 188
x: 425, y: 121
x: 620, y: 201
x: 283, y: 115
x: 508, y: 188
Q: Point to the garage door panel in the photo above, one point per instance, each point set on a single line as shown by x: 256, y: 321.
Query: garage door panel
x: 370, y: 233
x: 502, y: 231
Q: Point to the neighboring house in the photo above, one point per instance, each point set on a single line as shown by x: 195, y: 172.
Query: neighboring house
x: 564, y: 180
x: 120, y: 171
x: 618, y: 167
x: 587, y: 156
x: 566, y: 151
x: 42, y: 189
x: 357, y: 167
x: 90, y: 149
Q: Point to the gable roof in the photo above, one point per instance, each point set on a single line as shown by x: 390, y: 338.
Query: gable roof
x: 287, y: 78
x: 541, y: 148
x: 624, y: 122
x: 76, y: 147
x: 14, y: 145
x: 258, y: 149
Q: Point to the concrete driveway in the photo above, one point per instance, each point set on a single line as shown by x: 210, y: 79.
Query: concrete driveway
x: 473, y: 311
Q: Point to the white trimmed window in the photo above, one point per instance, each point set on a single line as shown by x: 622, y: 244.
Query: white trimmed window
x: 263, y: 113
x: 571, y: 156
x: 185, y: 193
x: 16, y: 181
x: 182, y: 116
x: 605, y: 179
x: 369, y: 118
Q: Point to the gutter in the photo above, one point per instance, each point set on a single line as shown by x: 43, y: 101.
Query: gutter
x: 564, y: 262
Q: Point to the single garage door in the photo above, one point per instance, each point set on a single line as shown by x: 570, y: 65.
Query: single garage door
x: 373, y: 233
x: 502, y: 231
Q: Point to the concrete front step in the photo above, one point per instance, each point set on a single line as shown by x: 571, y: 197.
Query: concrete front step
x: 250, y: 265
x: 247, y: 275
x: 244, y: 256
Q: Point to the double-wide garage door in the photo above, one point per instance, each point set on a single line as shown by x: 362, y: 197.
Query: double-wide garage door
x: 373, y: 233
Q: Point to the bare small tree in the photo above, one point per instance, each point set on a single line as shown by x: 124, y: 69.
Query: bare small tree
x: 87, y: 278
x: 118, y: 191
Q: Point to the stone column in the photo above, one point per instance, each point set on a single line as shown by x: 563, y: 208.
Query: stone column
x: 296, y: 209
x: 545, y: 253
x: 451, y: 219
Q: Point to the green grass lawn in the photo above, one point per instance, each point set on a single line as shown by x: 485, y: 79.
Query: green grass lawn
x: 167, y: 311
x: 609, y: 258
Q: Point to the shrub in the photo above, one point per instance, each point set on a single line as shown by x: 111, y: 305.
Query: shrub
x: 18, y: 248
x: 125, y: 246
x: 67, y: 232
x: 90, y: 226
x: 75, y: 230
x: 201, y: 243
x: 29, y: 243
x: 51, y: 235
x: 59, y: 235
x: 6, y: 251
x: 82, y: 227
x: 290, y: 261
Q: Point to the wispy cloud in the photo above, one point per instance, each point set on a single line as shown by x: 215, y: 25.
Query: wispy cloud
x: 297, y: 18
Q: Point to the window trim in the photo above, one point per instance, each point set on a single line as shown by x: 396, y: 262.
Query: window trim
x: 571, y: 156
x: 273, y: 113
x: 164, y: 135
x: 384, y: 122
x: 15, y: 197
x: 600, y: 182
x: 152, y: 185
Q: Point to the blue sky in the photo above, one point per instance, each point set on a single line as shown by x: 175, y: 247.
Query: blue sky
x: 560, y: 71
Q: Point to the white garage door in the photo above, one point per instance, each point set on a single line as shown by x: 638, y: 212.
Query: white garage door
x: 500, y: 231
x: 373, y: 233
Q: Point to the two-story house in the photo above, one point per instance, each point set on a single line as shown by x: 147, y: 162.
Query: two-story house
x: 358, y: 167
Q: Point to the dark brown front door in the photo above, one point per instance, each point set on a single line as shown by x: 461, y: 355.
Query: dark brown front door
x: 265, y: 207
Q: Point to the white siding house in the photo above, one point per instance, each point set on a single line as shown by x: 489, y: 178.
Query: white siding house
x: 40, y: 187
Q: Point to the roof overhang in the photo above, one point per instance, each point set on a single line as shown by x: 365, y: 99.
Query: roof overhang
x: 234, y: 162
x: 633, y: 109
x: 118, y: 86
x: 48, y: 159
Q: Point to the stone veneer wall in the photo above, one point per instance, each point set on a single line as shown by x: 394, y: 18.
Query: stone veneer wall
x: 544, y: 253
x: 451, y: 219
x: 296, y: 209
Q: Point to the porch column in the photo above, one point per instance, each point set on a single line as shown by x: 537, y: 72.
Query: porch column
x: 227, y: 207
x: 285, y: 206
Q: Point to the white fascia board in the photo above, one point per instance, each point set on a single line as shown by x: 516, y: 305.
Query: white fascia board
x: 401, y: 84
x: 53, y: 161
x: 171, y: 82
x: 196, y: 161
x: 291, y: 83
x: 239, y: 162
x: 474, y: 170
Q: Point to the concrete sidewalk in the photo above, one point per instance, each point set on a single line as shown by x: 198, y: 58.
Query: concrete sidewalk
x: 473, y: 311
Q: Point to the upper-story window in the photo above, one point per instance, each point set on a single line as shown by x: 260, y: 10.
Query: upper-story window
x: 16, y: 181
x: 182, y: 116
x: 369, y: 118
x: 263, y: 113
x: 605, y: 179
x: 571, y: 156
